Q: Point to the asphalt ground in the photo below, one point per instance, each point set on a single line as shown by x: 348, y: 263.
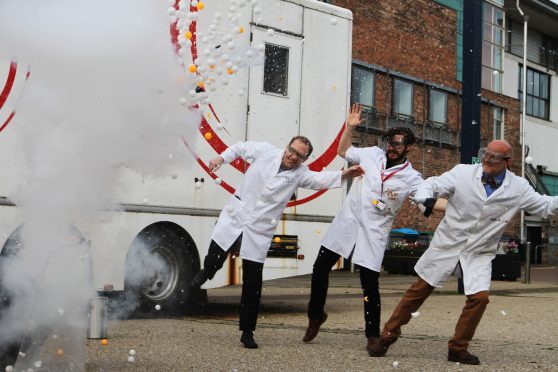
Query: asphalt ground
x: 519, y: 331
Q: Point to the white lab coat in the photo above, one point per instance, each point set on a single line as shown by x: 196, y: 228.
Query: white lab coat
x: 474, y: 223
x: 359, y: 224
x: 262, y: 195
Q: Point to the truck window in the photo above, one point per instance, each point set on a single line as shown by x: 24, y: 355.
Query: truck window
x: 276, y: 69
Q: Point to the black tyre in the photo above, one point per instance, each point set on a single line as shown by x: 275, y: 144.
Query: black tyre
x: 159, y: 267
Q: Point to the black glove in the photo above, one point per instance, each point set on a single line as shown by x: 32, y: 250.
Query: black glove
x: 429, y: 205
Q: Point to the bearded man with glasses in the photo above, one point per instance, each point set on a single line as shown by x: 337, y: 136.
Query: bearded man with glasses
x: 251, y: 215
x: 482, y: 199
x: 363, y: 225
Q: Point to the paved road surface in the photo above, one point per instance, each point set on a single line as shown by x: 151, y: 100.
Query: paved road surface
x: 519, y: 331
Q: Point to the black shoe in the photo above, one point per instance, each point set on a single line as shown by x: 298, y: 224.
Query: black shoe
x: 314, y: 327
x: 379, y: 348
x: 463, y: 357
x: 198, y: 279
x: 247, y: 339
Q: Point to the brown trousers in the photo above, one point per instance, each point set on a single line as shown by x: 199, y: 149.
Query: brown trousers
x: 415, y: 297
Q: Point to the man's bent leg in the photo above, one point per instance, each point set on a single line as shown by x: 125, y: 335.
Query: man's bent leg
x: 411, y: 302
x: 212, y: 263
x: 466, y: 327
x: 318, y: 292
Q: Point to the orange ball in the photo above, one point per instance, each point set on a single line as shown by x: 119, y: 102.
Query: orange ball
x: 241, y: 29
x: 200, y: 5
x: 104, y: 342
x: 188, y: 35
x: 277, y: 240
x: 230, y: 71
x: 208, y: 136
x: 60, y: 352
x: 192, y: 68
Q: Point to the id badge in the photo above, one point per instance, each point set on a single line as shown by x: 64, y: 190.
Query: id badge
x: 379, y: 204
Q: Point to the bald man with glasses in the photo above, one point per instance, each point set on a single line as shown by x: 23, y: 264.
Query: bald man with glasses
x: 482, y: 199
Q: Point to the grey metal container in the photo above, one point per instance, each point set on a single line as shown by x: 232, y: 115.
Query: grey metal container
x: 98, y: 322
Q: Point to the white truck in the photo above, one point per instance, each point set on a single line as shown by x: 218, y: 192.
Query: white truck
x: 302, y: 88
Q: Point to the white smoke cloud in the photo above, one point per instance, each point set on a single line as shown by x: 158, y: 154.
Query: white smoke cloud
x: 102, y: 96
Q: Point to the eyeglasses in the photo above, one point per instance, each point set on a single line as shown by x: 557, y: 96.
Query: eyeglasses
x: 293, y: 152
x: 394, y: 144
x: 485, y: 154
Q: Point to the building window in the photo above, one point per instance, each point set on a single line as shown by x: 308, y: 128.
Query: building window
x: 362, y: 92
x: 541, y: 48
x: 276, y: 69
x: 538, y: 93
x: 438, y: 110
x: 498, y: 123
x: 492, y: 47
x: 402, y: 98
x: 362, y: 86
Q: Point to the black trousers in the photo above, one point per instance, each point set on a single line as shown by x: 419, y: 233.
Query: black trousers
x: 251, y: 294
x: 370, y: 291
x: 216, y: 257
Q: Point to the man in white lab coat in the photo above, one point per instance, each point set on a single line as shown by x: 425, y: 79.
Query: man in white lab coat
x: 482, y: 199
x: 254, y: 210
x: 364, y: 222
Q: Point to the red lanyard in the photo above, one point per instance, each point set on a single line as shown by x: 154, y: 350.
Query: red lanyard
x: 387, y: 177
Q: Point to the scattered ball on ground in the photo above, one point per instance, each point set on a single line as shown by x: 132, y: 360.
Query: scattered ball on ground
x: 415, y: 314
x: 131, y: 359
x: 9, y: 369
x: 503, y: 312
x: 60, y: 352
x: 157, y: 307
x: 396, y: 364
x: 104, y: 342
x: 132, y: 352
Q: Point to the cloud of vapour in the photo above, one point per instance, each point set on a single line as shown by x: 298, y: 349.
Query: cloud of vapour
x: 102, y: 97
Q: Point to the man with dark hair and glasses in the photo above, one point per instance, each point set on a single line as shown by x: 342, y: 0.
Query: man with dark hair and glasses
x: 364, y: 222
x: 482, y: 199
x: 251, y: 215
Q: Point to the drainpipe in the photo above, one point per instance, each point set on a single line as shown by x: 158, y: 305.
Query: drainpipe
x: 523, y: 109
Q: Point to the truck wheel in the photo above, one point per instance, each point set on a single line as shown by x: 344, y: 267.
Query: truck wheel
x: 159, y: 268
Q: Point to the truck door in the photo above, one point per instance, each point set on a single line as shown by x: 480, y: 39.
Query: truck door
x: 274, y: 88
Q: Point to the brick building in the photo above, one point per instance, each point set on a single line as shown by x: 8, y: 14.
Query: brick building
x: 407, y: 72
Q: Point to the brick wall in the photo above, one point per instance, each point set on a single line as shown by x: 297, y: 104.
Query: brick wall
x: 418, y: 38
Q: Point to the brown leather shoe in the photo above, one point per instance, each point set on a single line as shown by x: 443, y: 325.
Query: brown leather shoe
x: 379, y: 348
x: 463, y: 357
x: 371, y: 341
x: 314, y: 327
